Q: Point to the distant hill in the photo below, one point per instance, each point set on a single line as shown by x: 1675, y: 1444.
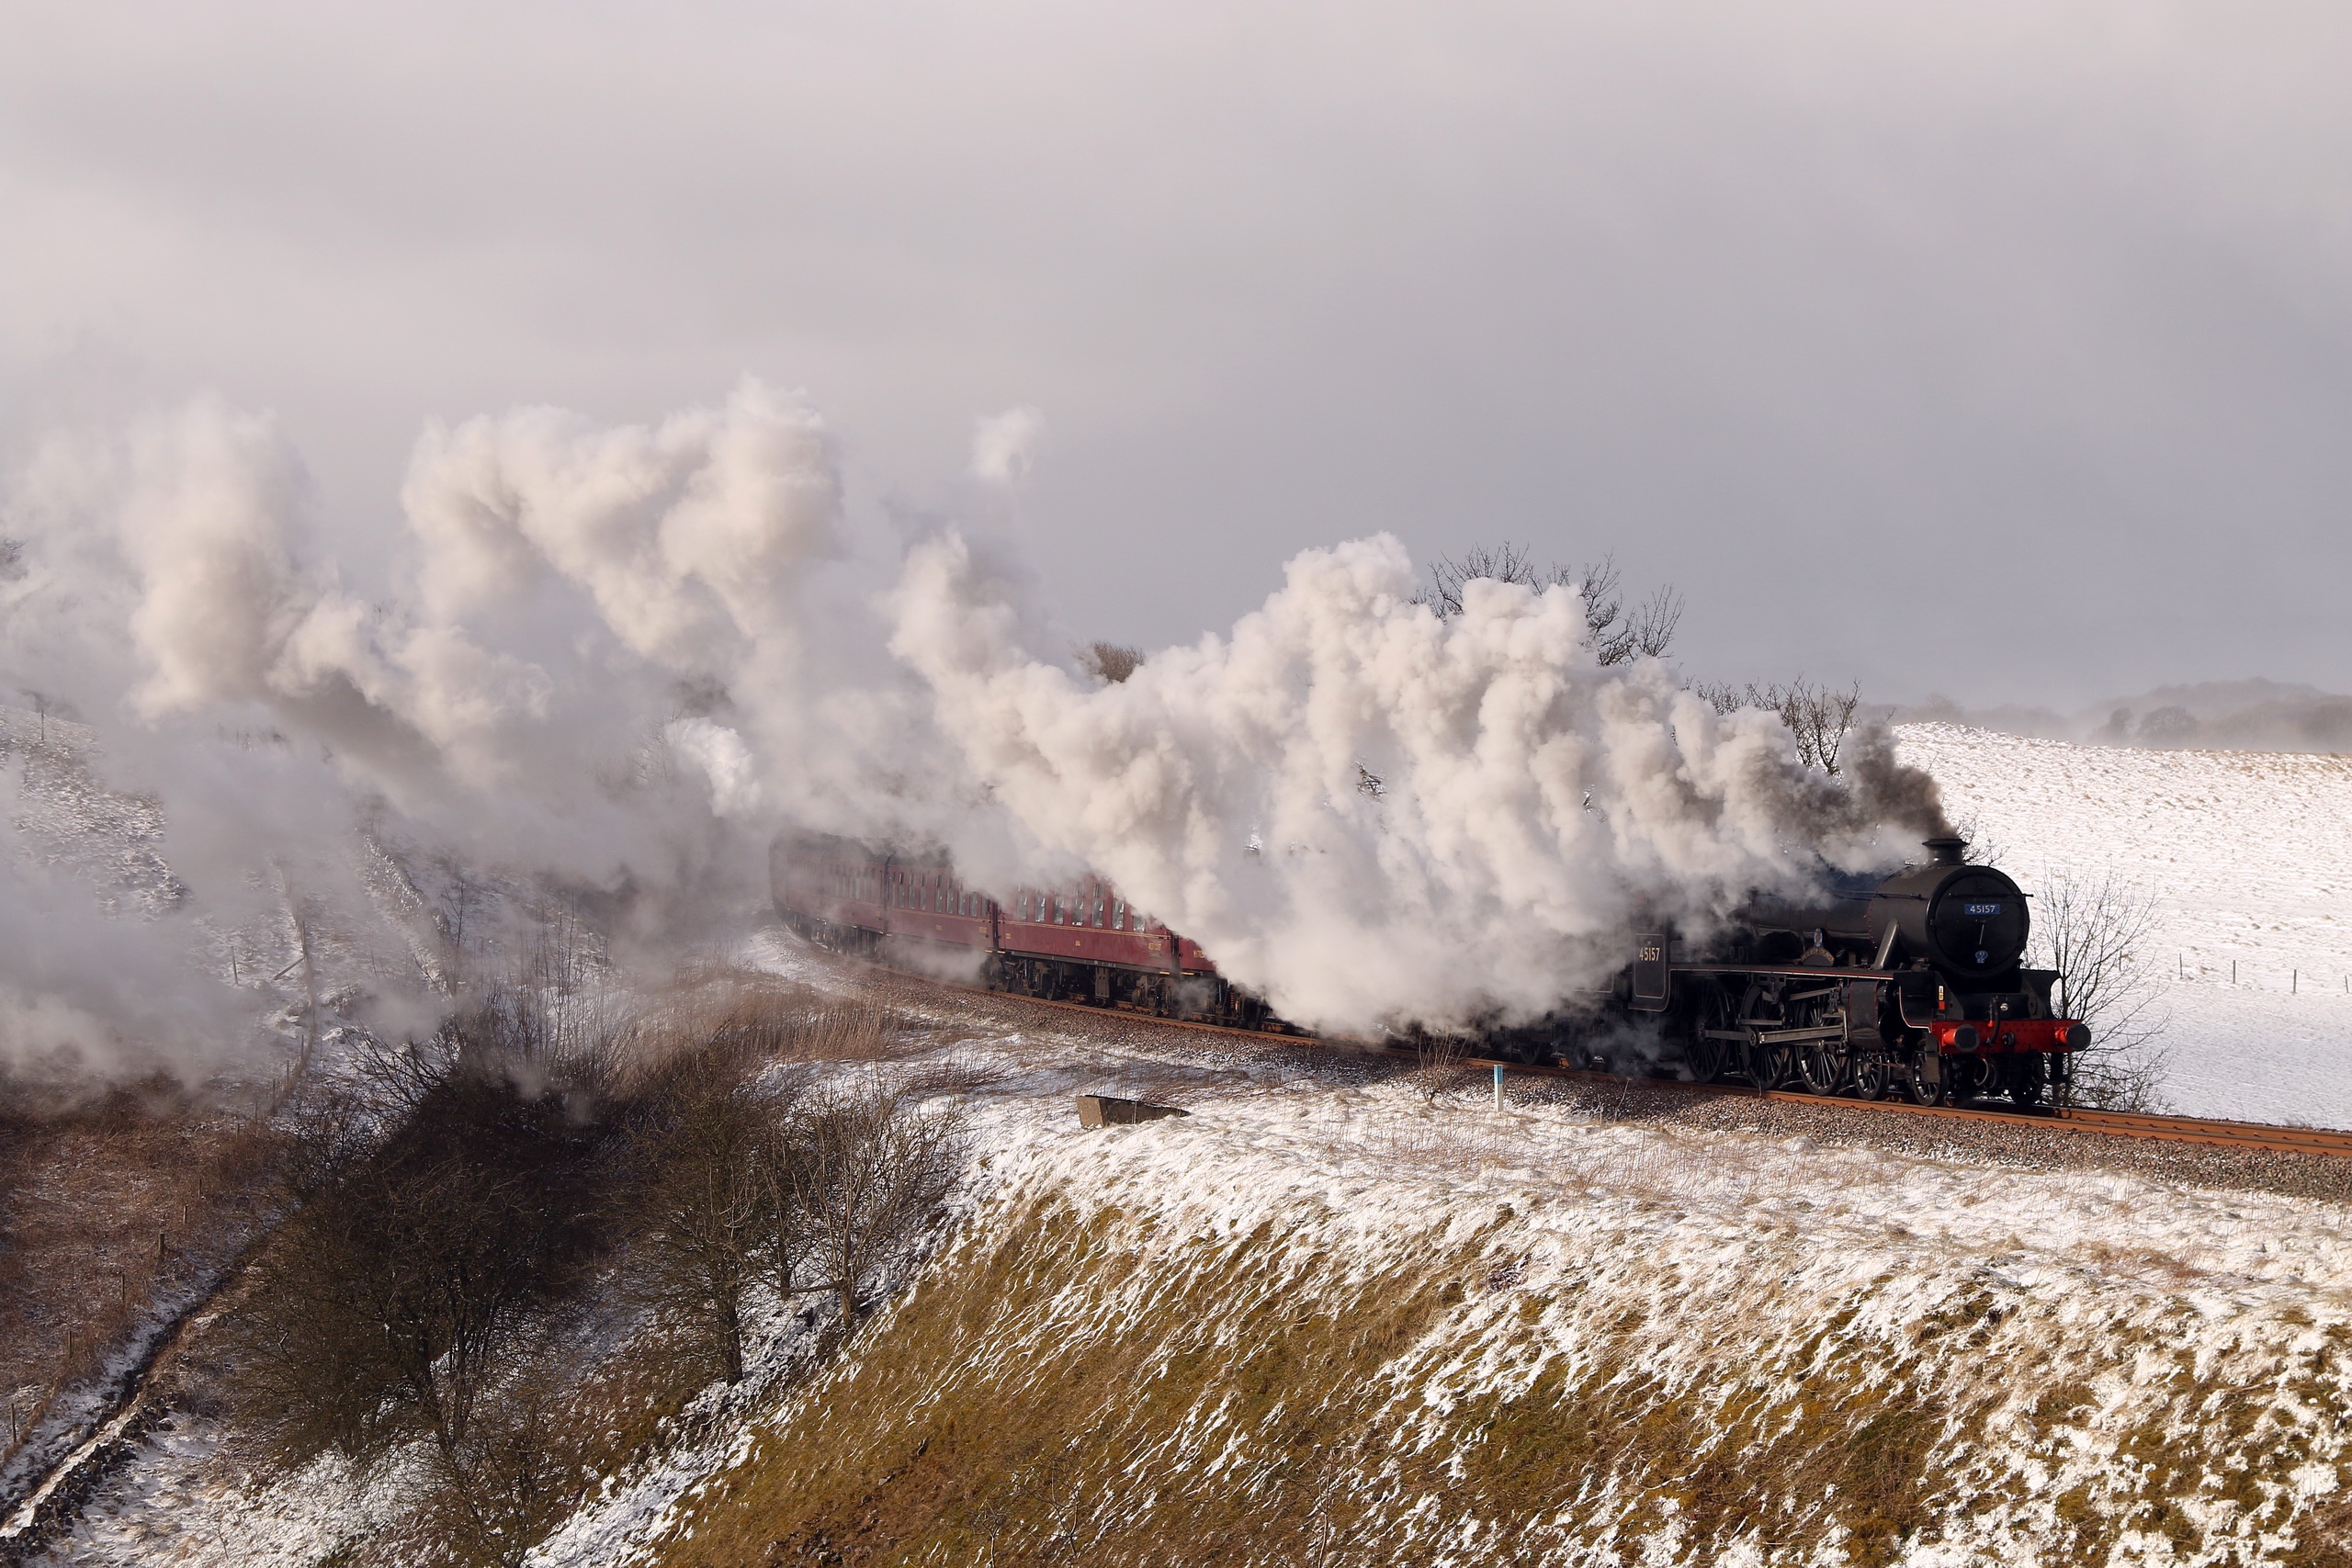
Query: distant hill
x: 2227, y: 715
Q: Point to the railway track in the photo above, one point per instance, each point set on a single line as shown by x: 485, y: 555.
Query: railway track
x: 2322, y: 1142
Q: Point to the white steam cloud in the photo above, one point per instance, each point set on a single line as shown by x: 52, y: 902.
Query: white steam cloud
x: 616, y: 659
x: 598, y: 673
x: 1369, y: 813
x: 1004, y: 445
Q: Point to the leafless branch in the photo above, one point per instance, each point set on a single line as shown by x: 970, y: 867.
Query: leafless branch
x: 1110, y: 662
x: 702, y: 1207
x: 1615, y: 634
x: 1438, y: 1068
x: 2093, y: 933
x: 864, y: 1174
x: 1819, y: 717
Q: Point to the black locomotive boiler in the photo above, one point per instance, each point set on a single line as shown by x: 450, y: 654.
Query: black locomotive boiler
x: 1913, y: 983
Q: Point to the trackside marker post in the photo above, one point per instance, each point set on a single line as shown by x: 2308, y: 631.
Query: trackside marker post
x: 1498, y: 1086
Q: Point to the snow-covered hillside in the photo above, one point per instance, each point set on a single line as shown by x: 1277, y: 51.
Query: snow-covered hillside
x: 2249, y: 858
x: 1322, y: 1319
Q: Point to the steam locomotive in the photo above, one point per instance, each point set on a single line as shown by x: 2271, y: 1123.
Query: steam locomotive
x: 1911, y: 984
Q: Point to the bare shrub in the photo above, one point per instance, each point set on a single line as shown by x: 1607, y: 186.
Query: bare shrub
x: 1110, y: 662
x: 2093, y: 933
x: 1437, y: 1064
x: 395, y: 1293
x: 1616, y: 634
x: 516, y: 1474
x: 864, y: 1172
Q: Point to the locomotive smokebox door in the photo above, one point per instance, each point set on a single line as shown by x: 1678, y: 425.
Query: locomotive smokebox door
x: 1652, y: 977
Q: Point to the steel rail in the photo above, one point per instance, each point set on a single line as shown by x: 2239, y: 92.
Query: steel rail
x: 2251, y: 1135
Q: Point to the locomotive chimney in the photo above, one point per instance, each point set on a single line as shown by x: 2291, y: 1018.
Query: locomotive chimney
x: 1946, y: 850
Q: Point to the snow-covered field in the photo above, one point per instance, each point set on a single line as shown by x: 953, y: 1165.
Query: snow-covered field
x: 2249, y: 858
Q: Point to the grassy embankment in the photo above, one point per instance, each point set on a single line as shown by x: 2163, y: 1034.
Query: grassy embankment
x: 1076, y: 1383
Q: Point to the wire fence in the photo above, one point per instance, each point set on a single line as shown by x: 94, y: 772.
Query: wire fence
x: 2247, y: 975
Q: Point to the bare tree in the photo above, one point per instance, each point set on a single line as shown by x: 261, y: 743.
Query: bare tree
x: 1617, y: 635
x: 2094, y: 932
x: 1506, y: 562
x: 702, y: 1212
x: 1819, y: 717
x: 1110, y: 662
x: 1981, y: 849
x: 864, y: 1172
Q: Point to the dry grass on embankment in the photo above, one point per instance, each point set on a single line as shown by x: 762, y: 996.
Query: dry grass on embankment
x: 1094, y: 1385
x: 107, y: 1204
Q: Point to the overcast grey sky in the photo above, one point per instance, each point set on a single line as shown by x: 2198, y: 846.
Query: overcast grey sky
x: 2001, y: 349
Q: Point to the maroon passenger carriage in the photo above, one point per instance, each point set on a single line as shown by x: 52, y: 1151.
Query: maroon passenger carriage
x: 1080, y: 943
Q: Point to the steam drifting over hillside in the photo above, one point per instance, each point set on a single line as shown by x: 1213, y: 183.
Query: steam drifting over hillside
x: 619, y: 658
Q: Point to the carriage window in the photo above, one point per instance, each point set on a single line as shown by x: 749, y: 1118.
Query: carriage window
x: 1061, y: 909
x: 1098, y: 911
x: 1119, y: 915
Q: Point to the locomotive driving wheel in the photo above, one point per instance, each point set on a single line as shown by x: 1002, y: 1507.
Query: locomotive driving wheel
x: 1709, y: 1056
x: 1767, y: 1066
x: 1824, y: 1065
